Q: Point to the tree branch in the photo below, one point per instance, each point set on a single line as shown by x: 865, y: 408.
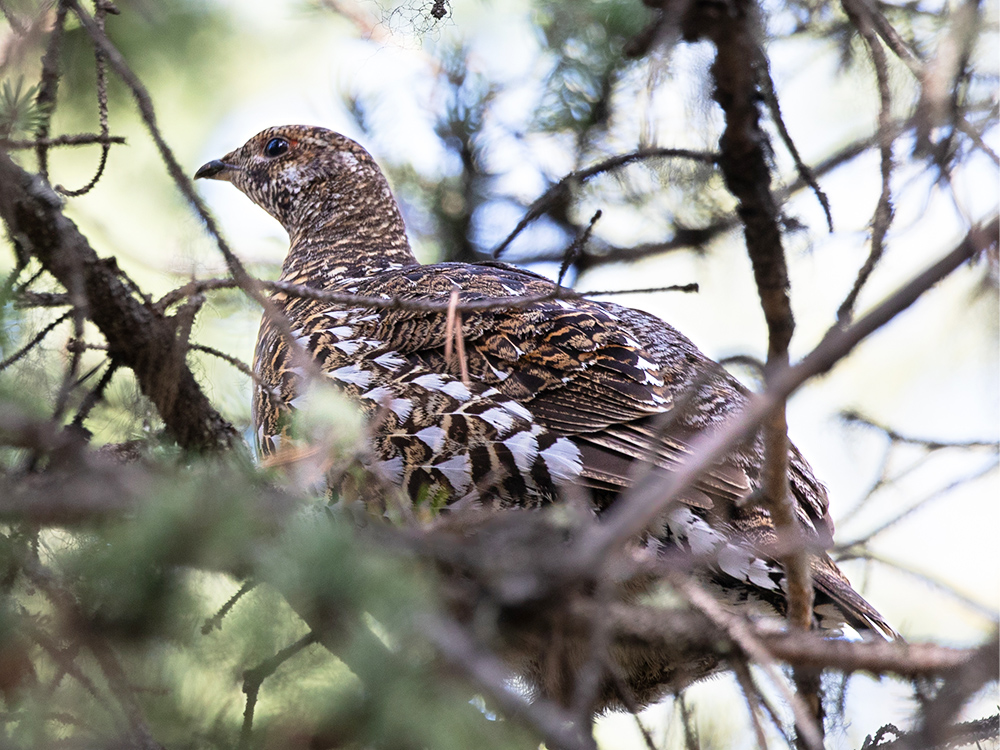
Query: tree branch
x: 138, y: 336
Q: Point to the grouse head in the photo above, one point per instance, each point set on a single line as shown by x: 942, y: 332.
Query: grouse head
x: 322, y: 187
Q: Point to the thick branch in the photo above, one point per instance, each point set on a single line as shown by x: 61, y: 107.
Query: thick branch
x: 138, y: 337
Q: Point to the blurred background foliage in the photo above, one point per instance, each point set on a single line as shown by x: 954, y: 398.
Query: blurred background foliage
x: 475, y: 115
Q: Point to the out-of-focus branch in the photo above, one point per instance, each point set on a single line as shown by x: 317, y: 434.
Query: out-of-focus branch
x: 138, y: 337
x: 688, y: 237
x: 961, y: 682
x: 691, y: 632
x: 562, y: 189
x: 35, y: 341
x: 957, y: 736
x: 490, y: 674
x: 860, y: 15
x: 939, y: 493
x: 931, y: 444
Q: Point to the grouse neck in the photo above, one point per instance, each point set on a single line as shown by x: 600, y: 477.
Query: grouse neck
x: 348, y: 237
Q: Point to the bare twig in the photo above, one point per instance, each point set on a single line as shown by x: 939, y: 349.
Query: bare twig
x: 883, y: 209
x: 215, y: 621
x: 123, y: 692
x: 35, y: 340
x: 960, y: 683
x: 979, y: 608
x: 560, y: 190
x: 48, y: 87
x: 254, y: 678
x: 101, y: 9
x: 753, y: 697
x: 890, y: 36
x: 944, y: 491
x: 235, y: 362
x: 393, y: 303
x: 83, y: 139
x: 95, y: 395
x: 744, y: 164
x: 805, y: 173
x: 748, y: 642
x: 931, y: 444
x: 573, y: 250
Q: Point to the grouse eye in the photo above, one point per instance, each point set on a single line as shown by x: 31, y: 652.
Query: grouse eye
x: 275, y: 147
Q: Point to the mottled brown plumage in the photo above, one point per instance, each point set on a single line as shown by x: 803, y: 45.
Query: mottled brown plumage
x: 558, y: 391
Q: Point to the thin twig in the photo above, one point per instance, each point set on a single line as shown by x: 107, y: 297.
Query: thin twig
x: 931, y: 444
x: 745, y: 639
x: 886, y: 137
x: 988, y: 468
x: 979, y: 608
x: 146, y: 110
x: 235, y: 362
x: 561, y: 189
x: 966, y: 127
x: 753, y: 697
x: 215, y: 621
x: 254, y: 678
x: 36, y: 339
x: 804, y: 172
x: 83, y: 139
x: 391, y: 303
x: 891, y: 37
x: 574, y: 248
x: 96, y: 394
x: 101, y: 9
x: 48, y: 87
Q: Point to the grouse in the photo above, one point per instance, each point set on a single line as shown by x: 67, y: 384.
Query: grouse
x: 548, y: 391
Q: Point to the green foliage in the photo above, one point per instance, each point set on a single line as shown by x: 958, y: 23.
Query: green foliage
x: 145, y: 584
x: 20, y: 115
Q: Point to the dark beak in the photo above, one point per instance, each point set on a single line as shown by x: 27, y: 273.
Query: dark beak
x: 213, y: 170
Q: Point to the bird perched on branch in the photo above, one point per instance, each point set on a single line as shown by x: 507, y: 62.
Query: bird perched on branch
x: 482, y: 386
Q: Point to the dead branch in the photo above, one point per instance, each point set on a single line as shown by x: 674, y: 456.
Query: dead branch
x: 254, y: 678
x: 394, y: 303
x: 738, y: 69
x: 960, y: 684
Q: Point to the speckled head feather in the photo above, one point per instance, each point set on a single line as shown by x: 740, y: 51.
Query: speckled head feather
x: 326, y: 191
